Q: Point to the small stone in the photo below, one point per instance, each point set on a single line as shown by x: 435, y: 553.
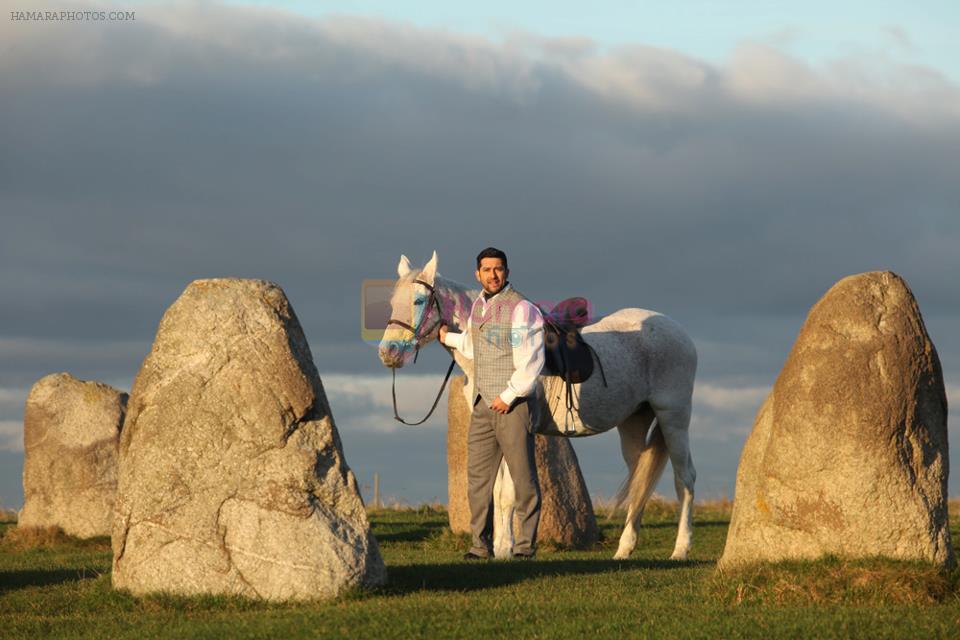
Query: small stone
x: 70, y: 433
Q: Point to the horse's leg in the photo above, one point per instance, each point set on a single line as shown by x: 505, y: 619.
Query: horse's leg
x: 504, y: 497
x: 645, y: 461
x: 675, y: 424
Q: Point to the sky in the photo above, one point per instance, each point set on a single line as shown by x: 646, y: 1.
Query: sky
x: 722, y: 165
x: 816, y: 30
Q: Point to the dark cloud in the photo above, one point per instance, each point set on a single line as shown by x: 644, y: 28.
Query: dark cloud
x: 206, y: 141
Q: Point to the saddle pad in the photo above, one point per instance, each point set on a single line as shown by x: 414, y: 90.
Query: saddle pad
x: 551, y: 418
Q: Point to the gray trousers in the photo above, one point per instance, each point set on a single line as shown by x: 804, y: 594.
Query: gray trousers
x: 493, y: 436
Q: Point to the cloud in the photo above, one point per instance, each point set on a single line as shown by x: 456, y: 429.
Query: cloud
x: 364, y: 402
x: 381, y: 133
x: 11, y: 435
x: 26, y: 348
x: 24, y: 360
x: 720, y: 398
x: 953, y: 394
x: 11, y: 420
x: 722, y: 419
x: 12, y: 401
x: 521, y: 67
x: 953, y: 407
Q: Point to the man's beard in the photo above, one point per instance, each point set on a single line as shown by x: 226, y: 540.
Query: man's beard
x: 490, y: 292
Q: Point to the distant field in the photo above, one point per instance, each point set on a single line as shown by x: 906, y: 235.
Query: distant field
x: 61, y: 587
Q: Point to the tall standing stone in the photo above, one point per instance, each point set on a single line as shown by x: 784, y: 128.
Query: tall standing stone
x: 232, y: 476
x: 848, y: 455
x: 458, y: 422
x: 566, y: 511
x: 70, y: 433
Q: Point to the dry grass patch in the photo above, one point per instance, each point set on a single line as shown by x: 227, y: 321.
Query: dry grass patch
x: 25, y: 538
x: 835, y: 581
x: 660, y: 508
x: 397, y: 505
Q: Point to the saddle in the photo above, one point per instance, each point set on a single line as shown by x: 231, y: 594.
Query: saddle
x: 568, y: 356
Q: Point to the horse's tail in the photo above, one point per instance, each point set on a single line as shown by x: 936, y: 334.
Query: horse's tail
x: 645, y: 473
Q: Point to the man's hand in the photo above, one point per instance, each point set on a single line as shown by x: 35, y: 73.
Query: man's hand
x: 443, y: 332
x: 500, y: 406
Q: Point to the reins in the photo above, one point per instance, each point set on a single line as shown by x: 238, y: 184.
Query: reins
x: 418, y: 342
x: 396, y: 416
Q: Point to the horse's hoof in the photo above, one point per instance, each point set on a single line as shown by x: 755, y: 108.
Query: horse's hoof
x: 621, y: 556
x: 679, y: 555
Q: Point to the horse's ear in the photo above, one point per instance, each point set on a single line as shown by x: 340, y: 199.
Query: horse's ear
x: 430, y: 270
x: 404, y: 267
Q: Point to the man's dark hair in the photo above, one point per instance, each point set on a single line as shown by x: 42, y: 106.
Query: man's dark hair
x: 491, y: 252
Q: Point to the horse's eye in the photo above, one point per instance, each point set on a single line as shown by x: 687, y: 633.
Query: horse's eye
x: 418, y: 302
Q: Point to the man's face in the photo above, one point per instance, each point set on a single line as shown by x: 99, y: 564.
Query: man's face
x: 492, y: 275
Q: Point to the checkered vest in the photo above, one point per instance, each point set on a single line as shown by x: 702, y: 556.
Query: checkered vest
x: 493, y: 342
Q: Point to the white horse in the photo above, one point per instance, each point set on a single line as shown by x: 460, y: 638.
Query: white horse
x: 649, y: 363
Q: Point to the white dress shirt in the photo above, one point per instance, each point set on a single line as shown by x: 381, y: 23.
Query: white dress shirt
x: 528, y: 355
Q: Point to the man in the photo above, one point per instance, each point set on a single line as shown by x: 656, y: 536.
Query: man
x: 504, y: 337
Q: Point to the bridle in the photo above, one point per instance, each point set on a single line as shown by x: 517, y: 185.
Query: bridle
x: 419, y: 339
x: 431, y: 301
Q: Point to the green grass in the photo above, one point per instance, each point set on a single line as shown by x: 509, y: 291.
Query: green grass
x: 61, y: 588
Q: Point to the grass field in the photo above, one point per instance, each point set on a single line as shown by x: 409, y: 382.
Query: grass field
x: 61, y: 587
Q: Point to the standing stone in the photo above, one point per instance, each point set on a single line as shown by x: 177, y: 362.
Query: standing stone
x: 848, y: 454
x: 458, y: 423
x: 70, y: 433
x: 232, y: 476
x: 566, y: 512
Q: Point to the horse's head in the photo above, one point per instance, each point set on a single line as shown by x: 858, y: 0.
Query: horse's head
x: 414, y: 313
